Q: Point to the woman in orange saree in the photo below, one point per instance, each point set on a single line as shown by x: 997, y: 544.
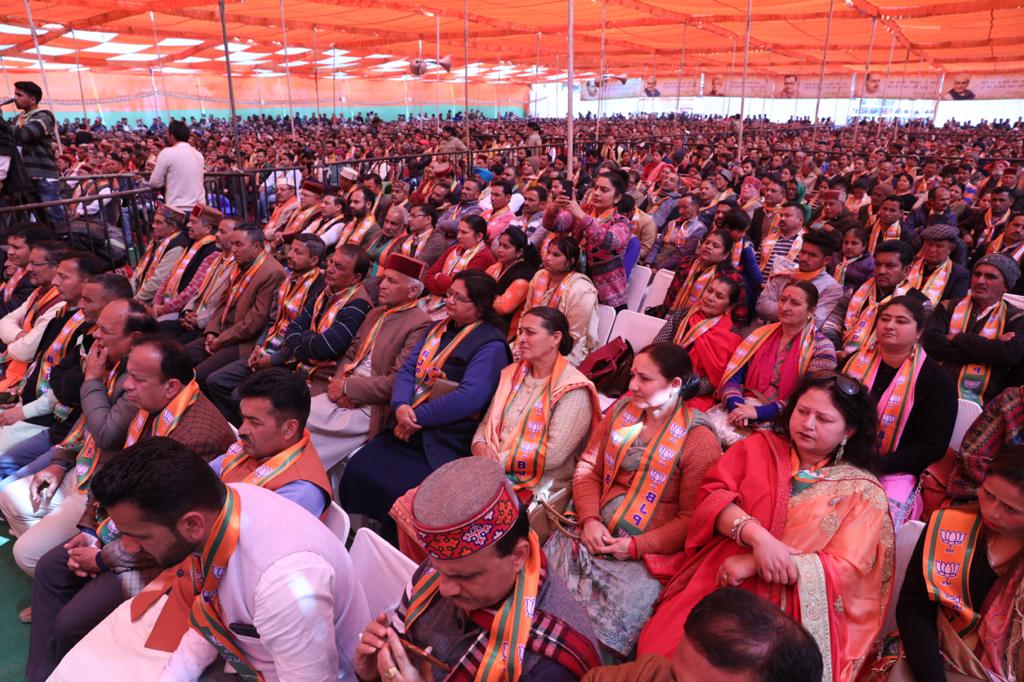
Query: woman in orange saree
x: 796, y: 517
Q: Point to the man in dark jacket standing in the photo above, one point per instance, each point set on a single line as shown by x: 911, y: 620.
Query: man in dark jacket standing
x: 33, y: 133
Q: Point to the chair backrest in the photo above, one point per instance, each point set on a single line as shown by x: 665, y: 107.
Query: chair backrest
x: 906, y: 540
x: 605, y: 320
x: 382, y: 570
x: 637, y: 328
x: 631, y: 255
x: 636, y: 286
x: 1015, y: 300
x: 966, y: 412
x: 659, y: 288
x: 337, y: 520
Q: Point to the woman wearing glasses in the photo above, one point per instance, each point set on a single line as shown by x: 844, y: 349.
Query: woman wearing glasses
x: 914, y: 430
x: 796, y: 516
x: 771, y: 361
x: 559, y: 285
x: 469, y: 252
x: 438, y: 397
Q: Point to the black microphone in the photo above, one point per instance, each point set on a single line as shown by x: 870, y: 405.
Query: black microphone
x: 5, y: 102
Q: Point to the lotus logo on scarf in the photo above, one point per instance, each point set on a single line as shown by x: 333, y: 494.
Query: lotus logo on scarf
x: 665, y: 453
x: 952, y: 538
x: 948, y: 570
x: 261, y: 471
x: 218, y: 572
x: 677, y: 431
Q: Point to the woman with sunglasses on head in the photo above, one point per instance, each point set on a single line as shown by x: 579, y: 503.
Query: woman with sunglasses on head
x: 959, y: 609
x: 706, y: 332
x: 796, y: 516
x: 914, y: 429
x: 559, y: 285
x: 769, y: 364
x: 516, y: 261
x: 633, y: 493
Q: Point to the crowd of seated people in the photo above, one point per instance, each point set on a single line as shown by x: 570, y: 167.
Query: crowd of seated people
x: 405, y: 341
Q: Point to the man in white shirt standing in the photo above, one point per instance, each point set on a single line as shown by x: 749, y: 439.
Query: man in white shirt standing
x: 179, y: 170
x: 278, y: 595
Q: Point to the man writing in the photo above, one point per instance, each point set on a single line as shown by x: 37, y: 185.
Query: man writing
x: 167, y: 502
x: 273, y: 452
x: 358, y: 397
x: 455, y: 597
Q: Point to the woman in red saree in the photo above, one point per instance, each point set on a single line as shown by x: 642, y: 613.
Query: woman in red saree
x: 796, y: 517
x: 706, y: 332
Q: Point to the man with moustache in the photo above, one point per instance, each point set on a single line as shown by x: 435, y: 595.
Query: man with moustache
x: 22, y: 328
x: 362, y: 230
x: 18, y: 285
x: 357, y: 401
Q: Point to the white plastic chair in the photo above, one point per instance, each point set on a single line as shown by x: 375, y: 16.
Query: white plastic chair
x: 966, y: 413
x: 906, y: 541
x: 337, y: 520
x: 1015, y: 300
x: 659, y: 288
x: 382, y: 570
x: 605, y: 320
x: 637, y: 328
x: 635, y: 287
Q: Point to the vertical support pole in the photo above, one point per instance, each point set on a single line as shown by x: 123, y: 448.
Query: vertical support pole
x: 600, y: 76
x: 287, y: 69
x: 743, y: 87
x: 682, y: 67
x: 821, y: 72
x: 160, y: 60
x: 42, y: 71
x: 437, y: 83
x: 465, y: 84
x: 569, y: 81
x: 231, y: 82
x: 78, y: 72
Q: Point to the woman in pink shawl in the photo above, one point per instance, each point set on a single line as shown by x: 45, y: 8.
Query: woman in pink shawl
x: 796, y: 517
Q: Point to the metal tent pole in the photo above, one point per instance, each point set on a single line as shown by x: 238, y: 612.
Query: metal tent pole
x: 867, y: 64
x: 42, y: 71
x: 160, y: 59
x: 437, y: 82
x: 821, y: 72
x: 465, y: 83
x: 231, y: 83
x: 287, y: 69
x: 78, y: 72
x: 601, y: 75
x: 682, y: 68
x: 316, y: 85
x: 743, y: 87
x: 569, y: 81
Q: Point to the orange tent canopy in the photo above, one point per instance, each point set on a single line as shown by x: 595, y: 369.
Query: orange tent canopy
x: 510, y: 39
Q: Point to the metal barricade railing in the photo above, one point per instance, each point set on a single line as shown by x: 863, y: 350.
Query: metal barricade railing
x: 115, y: 225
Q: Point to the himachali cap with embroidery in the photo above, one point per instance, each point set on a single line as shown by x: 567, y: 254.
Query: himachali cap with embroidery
x: 172, y: 215
x: 751, y: 180
x: 463, y: 507
x: 208, y: 213
x: 350, y: 173
x: 832, y: 194
x: 410, y: 267
x: 313, y: 186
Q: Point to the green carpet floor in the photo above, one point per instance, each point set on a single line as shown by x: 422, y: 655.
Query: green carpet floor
x: 16, y: 588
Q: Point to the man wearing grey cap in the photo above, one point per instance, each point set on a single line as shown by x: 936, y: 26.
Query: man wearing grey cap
x: 934, y: 274
x: 979, y: 339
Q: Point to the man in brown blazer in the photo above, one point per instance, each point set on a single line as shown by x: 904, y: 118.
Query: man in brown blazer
x: 358, y: 399
x: 241, y: 316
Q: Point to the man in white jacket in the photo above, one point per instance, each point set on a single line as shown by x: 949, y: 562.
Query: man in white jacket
x: 278, y: 596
